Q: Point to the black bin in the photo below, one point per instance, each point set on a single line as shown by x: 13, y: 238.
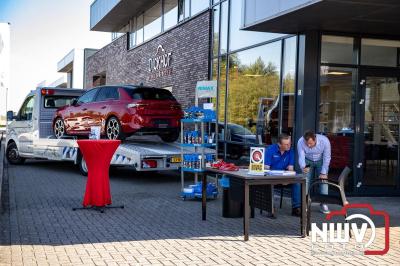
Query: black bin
x: 230, y: 207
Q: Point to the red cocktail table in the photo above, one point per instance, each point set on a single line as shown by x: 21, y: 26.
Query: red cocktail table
x: 98, y: 155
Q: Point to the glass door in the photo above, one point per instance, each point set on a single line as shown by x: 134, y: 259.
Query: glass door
x: 378, y: 135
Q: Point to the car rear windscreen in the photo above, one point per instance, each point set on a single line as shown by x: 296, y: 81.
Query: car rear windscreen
x: 57, y: 101
x: 149, y: 94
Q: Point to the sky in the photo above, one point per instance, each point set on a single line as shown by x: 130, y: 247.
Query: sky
x: 42, y: 33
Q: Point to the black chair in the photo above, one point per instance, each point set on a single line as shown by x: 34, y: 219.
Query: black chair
x: 316, y: 197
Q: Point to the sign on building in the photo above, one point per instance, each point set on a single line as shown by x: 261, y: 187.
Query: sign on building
x: 206, y: 89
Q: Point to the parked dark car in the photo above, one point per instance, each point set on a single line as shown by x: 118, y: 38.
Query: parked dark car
x: 238, y: 140
x: 121, y: 111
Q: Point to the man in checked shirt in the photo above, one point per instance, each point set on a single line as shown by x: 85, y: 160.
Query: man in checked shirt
x: 314, y: 151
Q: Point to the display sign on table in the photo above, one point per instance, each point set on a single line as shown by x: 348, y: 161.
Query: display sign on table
x: 257, y: 157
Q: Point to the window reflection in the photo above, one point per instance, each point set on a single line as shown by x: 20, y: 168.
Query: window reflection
x: 253, y: 93
x: 139, y: 31
x: 336, y: 118
x: 215, y: 30
x: 152, y: 21
x: 376, y: 52
x: 170, y: 13
x: 224, y: 27
x: 337, y: 49
x: 288, y: 96
x: 198, y: 5
x: 336, y: 92
x: 222, y: 90
x: 242, y: 38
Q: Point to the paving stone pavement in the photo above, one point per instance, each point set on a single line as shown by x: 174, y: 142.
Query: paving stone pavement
x: 38, y: 226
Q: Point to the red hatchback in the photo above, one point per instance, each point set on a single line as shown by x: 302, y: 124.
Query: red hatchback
x: 121, y: 111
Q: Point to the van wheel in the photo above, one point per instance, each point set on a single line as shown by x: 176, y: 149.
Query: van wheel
x: 59, y: 128
x: 82, y: 165
x: 12, y: 154
x: 114, y: 129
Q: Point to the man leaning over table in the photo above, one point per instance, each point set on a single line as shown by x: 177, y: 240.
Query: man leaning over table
x: 280, y: 156
x: 314, y: 151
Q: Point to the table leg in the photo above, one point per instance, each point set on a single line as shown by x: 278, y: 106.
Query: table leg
x: 204, y: 197
x: 246, y: 215
x: 303, y: 210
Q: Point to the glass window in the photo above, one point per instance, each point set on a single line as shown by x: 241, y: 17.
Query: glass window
x: 26, y: 111
x: 242, y: 38
x: 107, y: 93
x: 170, y: 13
x: 376, y: 52
x: 149, y: 94
x: 224, y: 28
x: 222, y: 89
x: 57, y: 101
x: 253, y: 93
x: 215, y: 30
x: 152, y: 21
x: 132, y: 33
x: 187, y: 8
x: 336, y: 96
x: 337, y: 49
x: 181, y: 10
x: 336, y: 115
x: 288, y: 96
x: 139, y: 29
x: 88, y: 96
x: 198, y: 5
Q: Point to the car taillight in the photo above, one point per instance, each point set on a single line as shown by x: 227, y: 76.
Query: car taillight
x: 138, y: 106
x: 175, y: 107
x: 47, y: 92
x: 149, y: 164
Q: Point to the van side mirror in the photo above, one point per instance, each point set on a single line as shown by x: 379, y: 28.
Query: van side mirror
x: 10, y: 115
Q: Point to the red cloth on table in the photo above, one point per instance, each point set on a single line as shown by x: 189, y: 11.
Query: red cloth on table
x: 98, y: 155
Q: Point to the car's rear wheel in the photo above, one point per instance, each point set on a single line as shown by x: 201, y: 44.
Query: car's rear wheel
x: 170, y: 136
x: 59, y: 128
x: 114, y: 129
x: 12, y: 154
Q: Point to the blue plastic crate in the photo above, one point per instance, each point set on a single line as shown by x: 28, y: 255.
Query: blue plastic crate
x: 195, y: 191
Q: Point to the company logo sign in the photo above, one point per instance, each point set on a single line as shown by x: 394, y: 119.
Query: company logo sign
x: 354, y: 237
x: 257, y: 161
x: 160, y: 64
x: 206, y: 89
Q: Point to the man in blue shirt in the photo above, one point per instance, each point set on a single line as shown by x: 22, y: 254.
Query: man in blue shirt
x: 280, y: 156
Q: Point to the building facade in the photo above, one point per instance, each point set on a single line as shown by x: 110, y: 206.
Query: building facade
x: 281, y: 66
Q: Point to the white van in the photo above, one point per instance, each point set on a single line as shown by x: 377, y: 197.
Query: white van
x: 34, y: 120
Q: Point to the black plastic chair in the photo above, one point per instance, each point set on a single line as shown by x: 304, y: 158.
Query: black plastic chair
x: 316, y: 197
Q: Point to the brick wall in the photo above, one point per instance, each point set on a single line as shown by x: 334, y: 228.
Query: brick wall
x: 189, y: 44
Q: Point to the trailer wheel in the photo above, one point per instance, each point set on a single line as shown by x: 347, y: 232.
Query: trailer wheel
x: 82, y: 165
x: 12, y: 154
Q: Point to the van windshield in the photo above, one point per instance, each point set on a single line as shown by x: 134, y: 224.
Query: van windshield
x: 149, y: 94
